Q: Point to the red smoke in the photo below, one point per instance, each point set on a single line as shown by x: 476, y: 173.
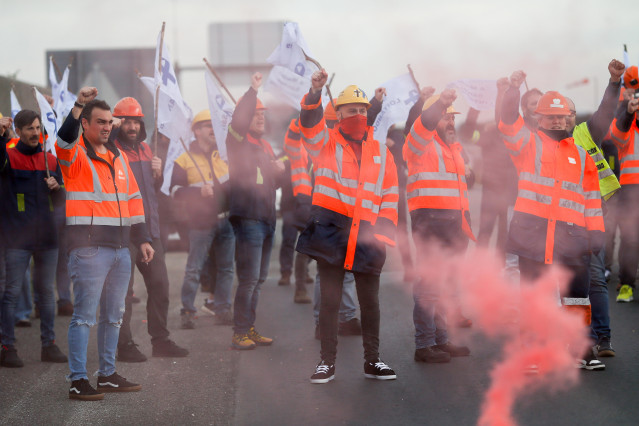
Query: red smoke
x: 526, y: 318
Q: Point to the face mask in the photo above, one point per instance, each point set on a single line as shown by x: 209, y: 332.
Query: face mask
x: 354, y: 126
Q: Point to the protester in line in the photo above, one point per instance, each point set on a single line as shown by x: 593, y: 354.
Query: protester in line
x: 31, y: 192
x: 105, y: 213
x: 147, y: 169
x: 437, y: 195
x: 624, y: 133
x: 199, y: 180
x: 589, y: 135
x: 558, y: 217
x: 354, y: 217
x: 254, y: 176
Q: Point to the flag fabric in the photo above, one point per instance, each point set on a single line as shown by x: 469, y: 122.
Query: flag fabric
x: 63, y: 100
x: 478, y: 94
x: 626, y: 57
x: 15, y: 105
x: 49, y: 121
x: 290, y: 77
x: 174, y: 116
x: 401, y: 95
x: 221, y: 112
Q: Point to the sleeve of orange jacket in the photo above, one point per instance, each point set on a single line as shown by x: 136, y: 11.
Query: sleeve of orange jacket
x: 312, y: 124
x: 386, y: 223
x: 622, y: 130
x: 66, y: 148
x: 300, y: 178
x: 593, y: 211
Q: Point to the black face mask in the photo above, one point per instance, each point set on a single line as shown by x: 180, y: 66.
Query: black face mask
x: 556, y: 135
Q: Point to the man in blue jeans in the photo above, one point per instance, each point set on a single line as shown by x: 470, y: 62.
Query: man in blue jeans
x: 206, y: 201
x: 31, y: 190
x: 254, y: 175
x: 104, y: 212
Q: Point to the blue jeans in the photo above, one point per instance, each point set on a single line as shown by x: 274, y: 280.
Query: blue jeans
x: 429, y: 315
x: 598, y: 294
x: 17, y: 263
x: 347, y: 307
x: 224, y: 247
x: 254, y: 241
x: 200, y: 241
x: 24, y: 306
x: 100, y: 276
x: 62, y: 280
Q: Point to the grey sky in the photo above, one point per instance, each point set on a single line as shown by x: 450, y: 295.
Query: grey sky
x: 363, y: 42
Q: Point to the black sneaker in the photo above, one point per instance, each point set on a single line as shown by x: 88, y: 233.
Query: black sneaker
x: 324, y: 372
x: 604, y: 347
x: 351, y: 327
x: 82, y: 390
x: 454, y: 350
x: 378, y: 370
x: 590, y: 362
x: 116, y: 383
x: 431, y: 354
x: 23, y: 323
x: 52, y: 354
x: 9, y: 357
x: 129, y: 352
x: 168, y: 349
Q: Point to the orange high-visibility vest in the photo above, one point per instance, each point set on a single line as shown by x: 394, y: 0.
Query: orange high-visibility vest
x: 558, y: 181
x: 436, y: 174
x: 367, y: 192
x: 628, y: 153
x: 300, y: 176
x: 97, y: 194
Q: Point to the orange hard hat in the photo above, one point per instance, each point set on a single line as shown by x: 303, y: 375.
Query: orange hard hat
x: 329, y: 112
x: 552, y: 103
x: 630, y: 78
x: 127, y: 107
x: 259, y: 105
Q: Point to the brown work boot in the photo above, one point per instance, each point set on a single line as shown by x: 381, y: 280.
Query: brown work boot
x: 301, y: 296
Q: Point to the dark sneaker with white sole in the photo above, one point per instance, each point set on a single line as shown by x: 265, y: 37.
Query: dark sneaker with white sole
x: 378, y: 370
x: 453, y: 350
x: 324, y: 372
x: 82, y: 390
x: 116, y: 383
x: 590, y: 362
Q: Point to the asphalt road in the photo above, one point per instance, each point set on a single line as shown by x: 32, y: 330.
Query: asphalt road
x: 270, y: 386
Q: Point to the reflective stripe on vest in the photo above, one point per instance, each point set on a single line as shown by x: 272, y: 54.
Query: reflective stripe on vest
x: 608, y: 183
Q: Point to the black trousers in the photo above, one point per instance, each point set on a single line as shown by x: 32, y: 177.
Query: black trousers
x: 156, y: 280
x: 367, y: 285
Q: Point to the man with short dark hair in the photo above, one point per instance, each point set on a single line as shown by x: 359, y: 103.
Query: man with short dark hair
x: 30, y: 191
x: 104, y: 211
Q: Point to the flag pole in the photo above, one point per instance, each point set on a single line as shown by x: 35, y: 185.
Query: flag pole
x: 208, y: 65
x: 412, y: 75
x: 56, y: 68
x: 186, y: 149
x: 319, y: 67
x: 44, y: 142
x: 157, y: 94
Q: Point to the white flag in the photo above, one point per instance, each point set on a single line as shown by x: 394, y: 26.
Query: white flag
x: 48, y: 121
x: 15, y: 106
x: 221, y: 113
x: 290, y: 78
x: 63, y: 100
x: 626, y: 58
x: 479, y: 94
x: 174, y: 115
x: 401, y: 95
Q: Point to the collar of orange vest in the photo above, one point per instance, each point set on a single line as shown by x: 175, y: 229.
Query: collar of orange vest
x: 110, y: 145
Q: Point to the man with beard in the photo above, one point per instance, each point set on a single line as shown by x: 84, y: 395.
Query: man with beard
x: 147, y: 169
x: 558, y: 217
x: 30, y: 192
x: 437, y: 195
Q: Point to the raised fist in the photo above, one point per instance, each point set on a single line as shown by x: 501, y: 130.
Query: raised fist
x: 517, y: 78
x: 448, y: 96
x: 616, y: 69
x: 256, y: 81
x: 87, y: 94
x: 318, y: 80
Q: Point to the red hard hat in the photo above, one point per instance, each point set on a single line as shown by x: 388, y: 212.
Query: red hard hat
x: 127, y: 107
x: 552, y: 103
x: 630, y: 78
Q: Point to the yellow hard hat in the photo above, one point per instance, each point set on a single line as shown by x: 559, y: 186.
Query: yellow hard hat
x: 1, y: 115
x: 352, y: 95
x: 204, y: 115
x: 435, y: 98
